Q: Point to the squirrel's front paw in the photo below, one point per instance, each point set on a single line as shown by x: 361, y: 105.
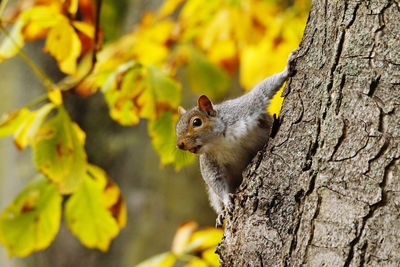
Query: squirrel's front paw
x: 230, y: 205
x: 220, y: 220
x: 291, y: 62
x: 228, y: 209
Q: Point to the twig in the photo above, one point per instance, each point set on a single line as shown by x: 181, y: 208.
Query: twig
x: 37, y: 101
x: 3, y: 4
x: 44, y: 79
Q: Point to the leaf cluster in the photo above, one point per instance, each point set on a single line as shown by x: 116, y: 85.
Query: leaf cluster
x: 191, y: 246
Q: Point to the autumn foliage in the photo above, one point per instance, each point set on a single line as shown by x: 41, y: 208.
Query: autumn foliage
x: 204, y: 43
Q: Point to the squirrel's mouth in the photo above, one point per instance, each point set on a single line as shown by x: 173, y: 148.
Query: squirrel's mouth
x: 195, y: 149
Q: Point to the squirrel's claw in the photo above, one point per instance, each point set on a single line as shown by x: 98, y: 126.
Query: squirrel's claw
x: 230, y: 206
x: 228, y: 209
x: 291, y: 62
x: 220, y: 220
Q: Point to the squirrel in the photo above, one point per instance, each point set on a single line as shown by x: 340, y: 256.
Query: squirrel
x: 228, y: 135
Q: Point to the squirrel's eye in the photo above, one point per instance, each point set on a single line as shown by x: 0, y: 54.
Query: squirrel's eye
x: 197, y: 122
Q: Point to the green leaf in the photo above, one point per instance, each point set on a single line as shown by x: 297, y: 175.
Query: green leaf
x: 88, y: 218
x: 166, y: 259
x: 59, y: 153
x: 205, y: 78
x: 167, y: 91
x: 163, y: 138
x: 27, y: 130
x: 10, y: 121
x: 31, y: 221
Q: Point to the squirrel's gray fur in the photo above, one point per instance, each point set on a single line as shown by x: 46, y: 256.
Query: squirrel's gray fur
x: 229, y: 136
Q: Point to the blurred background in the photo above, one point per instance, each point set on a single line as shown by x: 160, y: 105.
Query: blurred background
x: 158, y: 198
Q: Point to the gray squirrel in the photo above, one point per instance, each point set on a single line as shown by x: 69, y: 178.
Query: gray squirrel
x: 228, y: 135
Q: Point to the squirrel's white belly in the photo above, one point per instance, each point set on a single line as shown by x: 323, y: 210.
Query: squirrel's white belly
x: 240, y: 143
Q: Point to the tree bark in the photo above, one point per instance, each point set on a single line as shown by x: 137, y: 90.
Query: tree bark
x: 326, y: 190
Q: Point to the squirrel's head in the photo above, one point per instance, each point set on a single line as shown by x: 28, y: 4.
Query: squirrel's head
x: 197, y: 127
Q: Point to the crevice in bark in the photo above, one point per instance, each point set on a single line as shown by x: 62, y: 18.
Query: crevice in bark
x: 293, y: 243
x: 362, y: 253
x: 372, y: 209
x: 381, y: 151
x: 300, y: 117
x: 336, y: 57
x: 340, y: 139
x: 312, y: 149
x: 312, y: 228
x: 340, y: 96
x: 354, y: 15
x: 261, y: 260
x: 279, y: 156
x: 373, y: 86
x: 312, y: 183
x: 358, y: 151
x: 338, y: 52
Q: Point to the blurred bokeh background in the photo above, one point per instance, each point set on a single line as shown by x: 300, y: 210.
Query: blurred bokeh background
x: 158, y: 198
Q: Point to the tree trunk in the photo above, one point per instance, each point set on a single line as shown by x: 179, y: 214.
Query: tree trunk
x: 326, y: 189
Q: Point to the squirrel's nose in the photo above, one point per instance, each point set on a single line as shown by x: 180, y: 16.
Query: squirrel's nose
x: 181, y: 145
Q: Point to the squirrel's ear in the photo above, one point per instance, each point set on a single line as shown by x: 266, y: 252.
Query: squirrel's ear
x: 204, y: 104
x: 181, y: 110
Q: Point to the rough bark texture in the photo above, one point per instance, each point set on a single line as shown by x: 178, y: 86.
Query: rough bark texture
x: 326, y: 190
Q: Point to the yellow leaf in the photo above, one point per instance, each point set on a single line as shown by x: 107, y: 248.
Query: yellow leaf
x: 111, y: 197
x: 31, y: 23
x: 79, y: 133
x: 96, y: 211
x: 197, y: 263
x: 27, y: 130
x: 224, y: 53
x: 84, y: 27
x: 262, y: 60
x: 121, y: 88
x: 219, y: 28
x: 195, y: 15
x: 211, y: 257
x: 73, y: 6
x: 168, y: 7
x: 55, y: 96
x: 87, y: 218
x: 64, y: 45
x: 133, y: 92
x: 11, y: 121
x: 151, y: 42
x: 11, y: 45
x: 182, y: 236
x: 204, y: 239
x: 166, y: 259
x: 39, y: 19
